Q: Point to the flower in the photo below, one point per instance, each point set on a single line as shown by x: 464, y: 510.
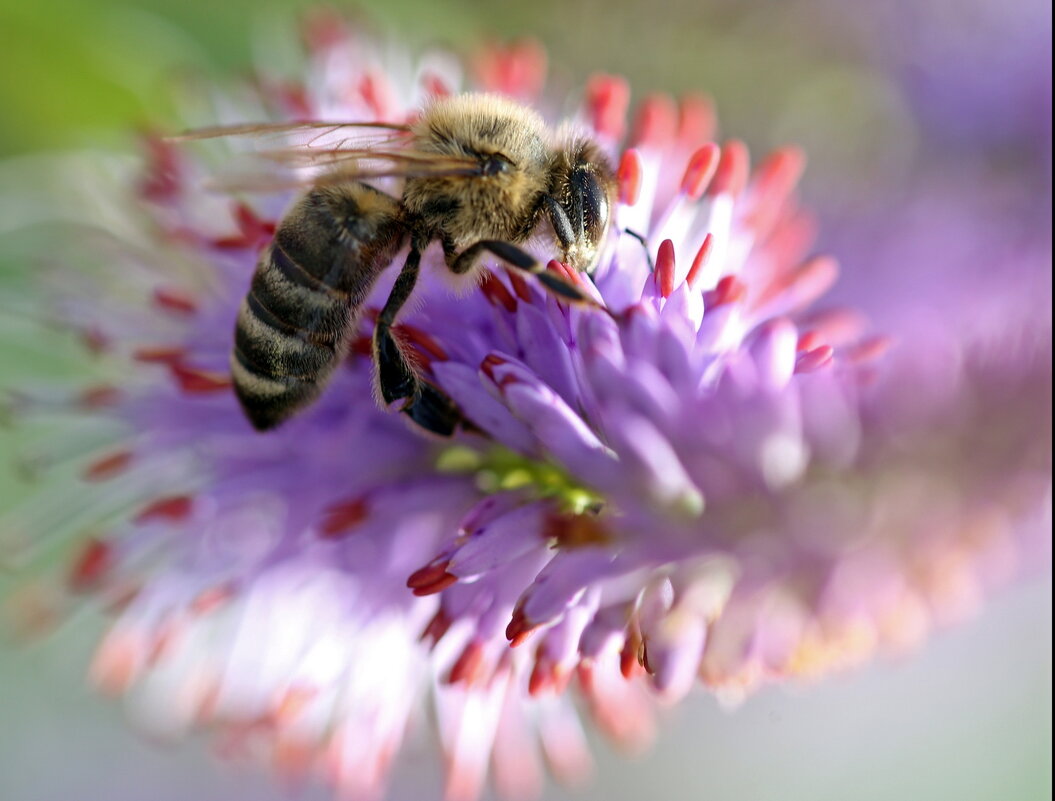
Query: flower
x: 711, y: 478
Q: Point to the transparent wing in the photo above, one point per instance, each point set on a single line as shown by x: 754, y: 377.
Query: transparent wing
x: 303, y: 134
x: 292, y: 155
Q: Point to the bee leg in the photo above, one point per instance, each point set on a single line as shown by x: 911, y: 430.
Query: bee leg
x: 428, y: 407
x: 559, y: 220
x: 521, y: 260
x: 434, y: 411
x: 396, y: 378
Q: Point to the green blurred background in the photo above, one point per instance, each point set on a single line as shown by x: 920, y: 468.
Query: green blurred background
x: 878, y: 94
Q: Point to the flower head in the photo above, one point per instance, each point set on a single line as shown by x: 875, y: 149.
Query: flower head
x: 703, y: 476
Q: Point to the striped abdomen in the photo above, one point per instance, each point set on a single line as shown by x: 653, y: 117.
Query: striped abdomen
x: 293, y: 326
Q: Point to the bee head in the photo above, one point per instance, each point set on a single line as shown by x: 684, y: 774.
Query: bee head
x: 583, y: 185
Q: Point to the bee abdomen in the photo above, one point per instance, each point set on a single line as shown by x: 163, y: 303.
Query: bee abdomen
x: 285, y: 347
x: 292, y: 326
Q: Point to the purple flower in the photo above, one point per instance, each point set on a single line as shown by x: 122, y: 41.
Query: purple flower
x: 707, y: 477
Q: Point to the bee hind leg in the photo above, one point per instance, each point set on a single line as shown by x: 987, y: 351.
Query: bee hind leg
x: 397, y: 379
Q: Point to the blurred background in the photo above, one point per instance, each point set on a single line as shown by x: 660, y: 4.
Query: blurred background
x: 928, y: 126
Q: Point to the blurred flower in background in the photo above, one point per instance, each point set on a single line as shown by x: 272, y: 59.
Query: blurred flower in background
x: 727, y: 480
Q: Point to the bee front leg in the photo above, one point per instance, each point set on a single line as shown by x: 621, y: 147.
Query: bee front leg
x: 519, y: 258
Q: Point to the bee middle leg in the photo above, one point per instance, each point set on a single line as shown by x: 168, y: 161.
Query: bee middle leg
x: 397, y: 379
x: 461, y: 263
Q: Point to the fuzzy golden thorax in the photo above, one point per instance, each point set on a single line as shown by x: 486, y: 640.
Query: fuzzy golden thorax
x: 502, y: 202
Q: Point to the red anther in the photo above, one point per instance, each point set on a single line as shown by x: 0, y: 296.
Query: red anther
x: 771, y: 187
x: 431, y: 579
x: 518, y: 69
x: 542, y: 677
x: 173, y: 509
x: 584, y: 672
x: 656, y: 122
x: 629, y: 177
x: 362, y: 346
x: 664, y: 274
x: 108, y: 466
x: 294, y: 701
x: 733, y: 169
x: 91, y: 565
x: 159, y: 355
x: 700, y: 170
x: 871, y: 348
x: 814, y: 359
x: 809, y: 340
x: 252, y: 231
x: 434, y: 85
x: 174, y: 300
x: 607, y: 99
x: 198, y: 382
x: 490, y: 362
x: 211, y: 599
x: 373, y: 91
x: 696, y: 119
x: 629, y: 659
x: 520, y: 286
x: 497, y: 293
x: 564, y: 271
x: 162, y: 180
x: 94, y: 340
x: 519, y: 628
x: 98, y: 397
x: 322, y: 29
x: 468, y: 668
x: 807, y: 282
x: 343, y: 516
x: 730, y: 289
x: 779, y: 172
x: 423, y: 341
x: 437, y: 627
x: 700, y: 261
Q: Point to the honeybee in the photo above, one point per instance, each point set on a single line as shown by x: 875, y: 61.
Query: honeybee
x: 480, y: 174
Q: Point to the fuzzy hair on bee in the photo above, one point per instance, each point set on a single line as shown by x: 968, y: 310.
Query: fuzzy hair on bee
x: 481, y: 174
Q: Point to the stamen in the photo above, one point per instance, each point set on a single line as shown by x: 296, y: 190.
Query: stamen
x: 607, y: 99
x: 700, y: 171
x: 174, y: 300
x: 814, y: 359
x: 91, y: 565
x: 656, y: 122
x: 468, y: 668
x: 108, y: 466
x: 432, y: 578
x: 630, y: 172
x: 497, y: 293
x: 869, y: 350
x: 730, y: 289
x: 342, y: 517
x: 700, y: 261
x: 697, y: 121
x: 733, y: 168
x: 198, y: 382
x: 664, y: 275
x: 172, y: 509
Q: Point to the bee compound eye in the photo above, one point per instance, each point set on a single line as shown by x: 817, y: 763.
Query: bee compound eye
x: 495, y: 164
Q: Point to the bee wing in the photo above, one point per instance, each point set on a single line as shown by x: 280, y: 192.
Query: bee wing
x: 292, y: 169
x: 303, y: 134
x: 292, y: 155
